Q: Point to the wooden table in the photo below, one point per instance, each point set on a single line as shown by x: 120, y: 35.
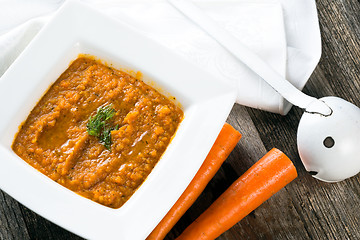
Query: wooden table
x: 306, y: 208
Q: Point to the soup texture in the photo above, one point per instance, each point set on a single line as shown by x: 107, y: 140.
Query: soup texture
x: 98, y: 131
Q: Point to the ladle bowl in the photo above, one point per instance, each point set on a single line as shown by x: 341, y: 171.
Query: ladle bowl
x: 329, y: 146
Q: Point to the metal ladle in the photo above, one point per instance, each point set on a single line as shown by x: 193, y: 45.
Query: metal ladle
x: 328, y: 135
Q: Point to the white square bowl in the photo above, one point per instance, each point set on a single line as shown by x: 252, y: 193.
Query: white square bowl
x: 77, y: 29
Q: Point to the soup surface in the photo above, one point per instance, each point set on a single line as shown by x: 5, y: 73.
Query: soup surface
x: 55, y: 139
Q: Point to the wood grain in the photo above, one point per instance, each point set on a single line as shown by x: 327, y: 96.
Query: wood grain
x: 305, y: 209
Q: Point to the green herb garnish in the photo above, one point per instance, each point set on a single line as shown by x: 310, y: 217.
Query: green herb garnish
x: 99, y: 125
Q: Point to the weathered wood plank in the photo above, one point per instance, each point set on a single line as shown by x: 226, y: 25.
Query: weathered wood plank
x: 340, y: 29
x: 12, y: 224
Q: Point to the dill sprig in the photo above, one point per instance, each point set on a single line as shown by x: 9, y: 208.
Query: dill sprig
x: 99, y: 125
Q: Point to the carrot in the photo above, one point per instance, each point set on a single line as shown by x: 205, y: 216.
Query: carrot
x: 266, y: 177
x: 224, y: 144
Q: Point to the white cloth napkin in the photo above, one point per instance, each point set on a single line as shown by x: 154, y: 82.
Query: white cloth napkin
x: 285, y: 33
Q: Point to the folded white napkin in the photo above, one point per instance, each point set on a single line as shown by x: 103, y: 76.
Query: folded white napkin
x: 285, y: 33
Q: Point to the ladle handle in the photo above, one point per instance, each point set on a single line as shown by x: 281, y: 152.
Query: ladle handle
x: 249, y: 58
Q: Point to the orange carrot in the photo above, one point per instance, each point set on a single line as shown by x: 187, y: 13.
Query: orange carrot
x: 224, y: 144
x: 266, y: 177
